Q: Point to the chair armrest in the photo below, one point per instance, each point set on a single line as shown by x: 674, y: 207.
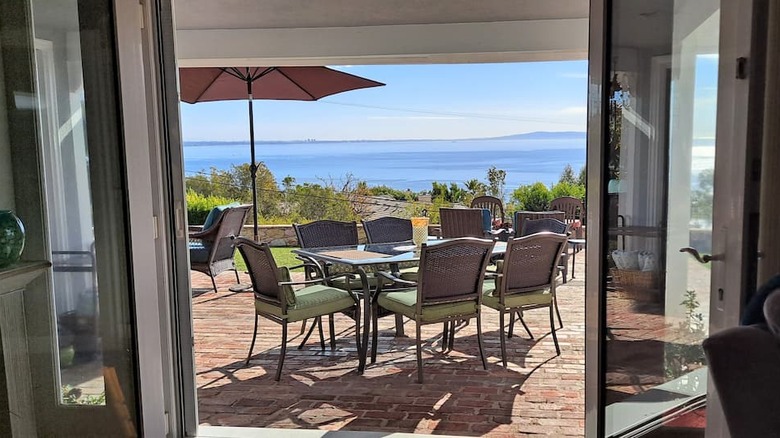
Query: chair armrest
x: 492, y: 275
x: 200, y: 234
x: 395, y: 279
x: 317, y: 280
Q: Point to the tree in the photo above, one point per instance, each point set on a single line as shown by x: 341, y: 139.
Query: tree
x: 701, y: 197
x: 496, y: 182
x: 567, y: 176
x: 532, y: 197
x: 475, y: 187
x: 568, y: 189
x: 236, y: 183
x: 583, y: 177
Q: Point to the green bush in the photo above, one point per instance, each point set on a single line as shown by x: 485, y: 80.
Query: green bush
x: 199, y: 206
x: 532, y: 197
x: 568, y: 189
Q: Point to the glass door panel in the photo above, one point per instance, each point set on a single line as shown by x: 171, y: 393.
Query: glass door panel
x: 660, y: 161
x: 67, y: 362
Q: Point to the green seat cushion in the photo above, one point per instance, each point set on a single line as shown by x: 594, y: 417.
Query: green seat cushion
x: 490, y: 297
x: 311, y: 301
x: 405, y: 303
x: 409, y: 274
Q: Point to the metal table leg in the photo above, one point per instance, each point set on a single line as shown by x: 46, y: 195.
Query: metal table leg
x: 363, y: 348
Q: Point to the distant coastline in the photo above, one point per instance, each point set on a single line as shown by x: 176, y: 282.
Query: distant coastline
x: 536, y: 135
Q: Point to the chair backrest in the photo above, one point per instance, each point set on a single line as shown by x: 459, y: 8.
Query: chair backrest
x: 521, y: 216
x: 461, y: 222
x: 531, y: 262
x: 323, y: 233
x: 227, y: 226
x: 570, y: 206
x: 533, y: 226
x: 452, y: 271
x: 490, y: 203
x: 262, y: 270
x: 388, y: 229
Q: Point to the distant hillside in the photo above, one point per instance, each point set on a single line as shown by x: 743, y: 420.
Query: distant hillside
x: 538, y: 135
x: 544, y: 135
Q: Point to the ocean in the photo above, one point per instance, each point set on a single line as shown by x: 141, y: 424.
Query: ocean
x: 412, y: 164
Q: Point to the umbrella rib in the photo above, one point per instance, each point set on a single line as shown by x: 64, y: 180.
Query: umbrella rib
x: 257, y: 76
x: 297, y: 84
x: 209, y: 86
x: 232, y: 71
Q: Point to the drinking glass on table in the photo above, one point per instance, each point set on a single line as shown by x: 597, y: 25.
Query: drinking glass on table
x: 419, y: 230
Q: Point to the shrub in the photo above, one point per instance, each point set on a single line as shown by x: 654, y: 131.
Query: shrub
x: 532, y: 197
x: 568, y: 189
x: 199, y: 206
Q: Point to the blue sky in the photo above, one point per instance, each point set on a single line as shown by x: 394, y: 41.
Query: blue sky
x: 441, y: 101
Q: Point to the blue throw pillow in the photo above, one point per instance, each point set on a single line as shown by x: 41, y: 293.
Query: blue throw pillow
x: 214, y: 214
x: 487, y: 220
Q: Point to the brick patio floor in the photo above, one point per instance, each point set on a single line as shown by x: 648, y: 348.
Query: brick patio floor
x: 538, y: 393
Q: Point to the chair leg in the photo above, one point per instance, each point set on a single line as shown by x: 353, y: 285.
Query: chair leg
x: 451, y: 343
x: 419, y: 353
x: 311, y: 330
x: 511, y: 324
x: 322, y: 336
x: 357, y: 327
x: 238, y: 280
x: 552, y: 329
x: 557, y: 311
x: 525, y: 326
x: 332, y: 328
x: 479, y: 339
x: 303, y: 327
x: 375, y: 332
x: 213, y: 283
x: 445, y: 336
x: 399, y: 325
x: 502, y: 336
x: 252, y: 346
x: 282, y: 352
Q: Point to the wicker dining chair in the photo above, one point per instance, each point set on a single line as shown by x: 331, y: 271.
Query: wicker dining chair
x: 388, y: 229
x: 573, y: 211
x: 449, y: 289
x: 212, y: 250
x: 533, y: 226
x: 277, y: 301
x: 526, y: 281
x: 461, y: 222
x: 492, y: 204
x: 325, y: 233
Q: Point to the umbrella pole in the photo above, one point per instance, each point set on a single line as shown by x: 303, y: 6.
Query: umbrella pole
x: 253, y: 167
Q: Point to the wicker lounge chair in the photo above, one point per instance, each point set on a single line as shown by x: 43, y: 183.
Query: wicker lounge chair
x: 526, y: 281
x: 276, y: 300
x: 449, y: 290
x: 212, y: 250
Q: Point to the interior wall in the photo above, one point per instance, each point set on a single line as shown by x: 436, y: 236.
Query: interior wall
x: 6, y: 174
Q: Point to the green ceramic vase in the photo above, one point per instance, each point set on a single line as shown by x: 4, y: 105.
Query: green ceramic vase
x: 11, y: 238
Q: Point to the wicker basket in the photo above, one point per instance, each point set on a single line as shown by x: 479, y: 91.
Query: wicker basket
x: 636, y: 285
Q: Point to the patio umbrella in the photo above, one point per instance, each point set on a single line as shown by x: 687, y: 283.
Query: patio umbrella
x: 209, y: 84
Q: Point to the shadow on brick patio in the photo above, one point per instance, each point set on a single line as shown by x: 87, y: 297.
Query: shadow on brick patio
x: 538, y: 393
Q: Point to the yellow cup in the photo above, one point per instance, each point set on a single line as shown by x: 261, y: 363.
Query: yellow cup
x: 419, y: 230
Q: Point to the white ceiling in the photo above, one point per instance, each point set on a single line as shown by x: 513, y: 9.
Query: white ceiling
x: 334, y: 32
x: 279, y: 14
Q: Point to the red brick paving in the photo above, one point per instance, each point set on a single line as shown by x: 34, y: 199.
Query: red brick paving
x: 538, y: 393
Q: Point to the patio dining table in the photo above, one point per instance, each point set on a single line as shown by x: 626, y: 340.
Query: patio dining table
x: 360, y: 257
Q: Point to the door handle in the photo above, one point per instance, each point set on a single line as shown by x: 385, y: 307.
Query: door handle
x: 705, y: 258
